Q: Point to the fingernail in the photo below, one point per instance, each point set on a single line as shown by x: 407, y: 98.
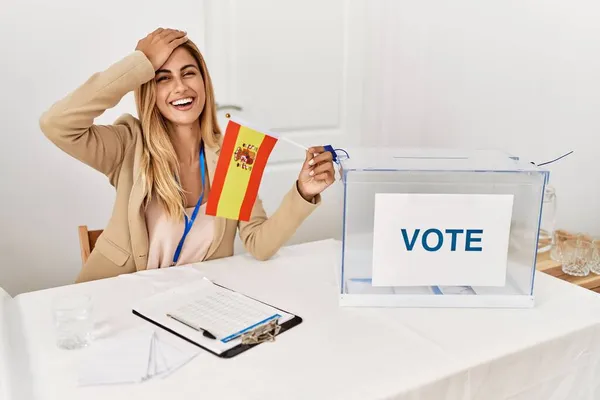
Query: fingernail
x: 311, y: 173
x: 311, y: 162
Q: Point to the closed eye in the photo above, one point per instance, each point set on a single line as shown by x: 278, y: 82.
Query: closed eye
x: 162, y: 78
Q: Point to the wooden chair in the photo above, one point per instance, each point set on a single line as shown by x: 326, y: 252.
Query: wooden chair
x: 87, y: 241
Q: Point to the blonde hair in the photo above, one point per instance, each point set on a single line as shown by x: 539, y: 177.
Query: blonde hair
x: 159, y: 164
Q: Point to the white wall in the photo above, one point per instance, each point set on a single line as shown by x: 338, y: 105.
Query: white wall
x: 47, y: 49
x: 520, y: 75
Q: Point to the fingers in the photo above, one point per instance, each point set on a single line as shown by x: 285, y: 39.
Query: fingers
x: 316, y: 155
x: 321, y: 158
x: 156, y: 32
x: 319, y: 164
x: 175, y: 38
x: 163, y: 33
x: 323, y: 172
x: 149, y: 38
x: 328, y: 176
x: 177, y: 42
x: 174, y: 35
x: 320, y: 169
x: 169, y: 36
x: 317, y: 150
x: 166, y: 34
x: 307, y: 158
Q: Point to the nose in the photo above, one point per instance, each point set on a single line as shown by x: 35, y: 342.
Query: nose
x: 179, y: 86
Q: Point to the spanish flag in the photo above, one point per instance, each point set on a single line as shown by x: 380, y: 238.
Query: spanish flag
x: 239, y: 171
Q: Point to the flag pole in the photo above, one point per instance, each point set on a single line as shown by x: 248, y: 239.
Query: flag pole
x: 290, y: 141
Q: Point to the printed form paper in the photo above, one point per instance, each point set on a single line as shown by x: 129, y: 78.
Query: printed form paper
x: 206, y: 306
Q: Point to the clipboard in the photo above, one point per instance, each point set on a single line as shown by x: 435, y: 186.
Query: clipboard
x: 264, y: 332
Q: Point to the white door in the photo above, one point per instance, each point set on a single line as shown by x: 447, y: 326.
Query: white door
x: 294, y: 68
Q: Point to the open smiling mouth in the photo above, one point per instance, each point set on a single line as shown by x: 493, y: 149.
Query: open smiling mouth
x: 183, y: 104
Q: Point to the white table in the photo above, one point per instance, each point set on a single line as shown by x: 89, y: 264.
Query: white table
x: 5, y: 377
x: 549, y: 352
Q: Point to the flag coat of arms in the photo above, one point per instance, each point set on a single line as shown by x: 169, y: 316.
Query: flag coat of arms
x: 244, y: 155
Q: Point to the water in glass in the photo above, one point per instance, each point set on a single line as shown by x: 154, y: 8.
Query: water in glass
x: 73, y: 321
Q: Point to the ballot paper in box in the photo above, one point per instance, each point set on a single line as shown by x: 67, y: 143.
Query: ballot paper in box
x: 439, y: 228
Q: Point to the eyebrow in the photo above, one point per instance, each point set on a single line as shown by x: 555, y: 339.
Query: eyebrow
x: 166, y: 71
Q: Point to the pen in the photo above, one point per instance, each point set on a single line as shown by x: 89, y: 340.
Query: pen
x: 205, y: 333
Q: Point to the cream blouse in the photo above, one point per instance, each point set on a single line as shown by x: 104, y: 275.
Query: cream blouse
x: 164, y: 235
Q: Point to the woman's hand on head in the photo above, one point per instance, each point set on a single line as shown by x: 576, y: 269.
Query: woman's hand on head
x: 317, y: 173
x: 159, y: 45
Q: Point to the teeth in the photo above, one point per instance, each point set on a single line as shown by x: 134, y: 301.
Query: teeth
x: 182, y: 101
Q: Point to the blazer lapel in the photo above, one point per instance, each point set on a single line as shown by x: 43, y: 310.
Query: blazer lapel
x: 137, y: 221
x: 212, y: 157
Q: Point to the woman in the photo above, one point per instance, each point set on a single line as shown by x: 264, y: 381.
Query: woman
x: 156, y: 163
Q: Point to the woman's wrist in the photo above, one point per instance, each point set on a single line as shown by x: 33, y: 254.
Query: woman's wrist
x: 307, y: 197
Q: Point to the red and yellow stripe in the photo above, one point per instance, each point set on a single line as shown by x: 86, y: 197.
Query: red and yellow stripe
x: 234, y: 189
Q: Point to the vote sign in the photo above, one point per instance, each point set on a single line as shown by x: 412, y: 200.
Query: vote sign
x: 441, y: 239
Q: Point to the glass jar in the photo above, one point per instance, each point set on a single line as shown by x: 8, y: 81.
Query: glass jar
x: 547, y: 221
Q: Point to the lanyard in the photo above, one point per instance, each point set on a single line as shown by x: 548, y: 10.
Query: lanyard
x: 188, y: 224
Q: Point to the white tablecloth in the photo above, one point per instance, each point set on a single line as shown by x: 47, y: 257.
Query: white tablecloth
x: 4, y: 368
x: 549, y: 352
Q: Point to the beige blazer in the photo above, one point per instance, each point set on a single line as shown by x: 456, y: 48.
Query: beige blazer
x: 115, y: 150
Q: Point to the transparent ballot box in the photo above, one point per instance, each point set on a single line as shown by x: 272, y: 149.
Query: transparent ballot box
x: 439, y: 228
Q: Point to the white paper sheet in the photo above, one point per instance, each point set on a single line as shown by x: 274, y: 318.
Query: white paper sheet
x: 223, y: 312
x: 131, y: 357
x: 463, y: 290
x: 202, y: 304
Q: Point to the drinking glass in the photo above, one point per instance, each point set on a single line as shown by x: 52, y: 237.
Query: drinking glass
x: 595, y: 261
x: 558, y: 244
x: 73, y: 321
x: 576, y: 257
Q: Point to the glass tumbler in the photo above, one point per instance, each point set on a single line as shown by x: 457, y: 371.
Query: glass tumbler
x: 558, y: 244
x: 577, y: 257
x: 73, y: 321
x: 595, y: 261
